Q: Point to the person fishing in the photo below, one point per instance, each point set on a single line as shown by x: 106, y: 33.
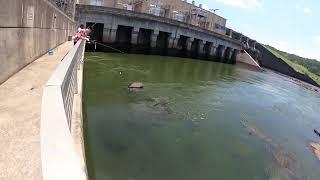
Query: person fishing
x: 82, y: 33
x: 80, y: 27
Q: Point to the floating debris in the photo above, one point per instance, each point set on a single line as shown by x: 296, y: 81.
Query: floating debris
x: 315, y: 147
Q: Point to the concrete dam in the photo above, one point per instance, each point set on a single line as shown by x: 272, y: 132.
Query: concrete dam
x: 137, y: 32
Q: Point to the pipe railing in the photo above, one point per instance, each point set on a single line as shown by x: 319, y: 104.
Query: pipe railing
x: 58, y: 153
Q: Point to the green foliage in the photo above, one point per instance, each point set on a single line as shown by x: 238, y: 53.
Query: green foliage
x: 310, y: 67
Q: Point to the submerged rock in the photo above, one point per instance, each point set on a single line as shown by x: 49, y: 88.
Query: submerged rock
x: 136, y: 85
x: 315, y: 147
x: 283, y: 158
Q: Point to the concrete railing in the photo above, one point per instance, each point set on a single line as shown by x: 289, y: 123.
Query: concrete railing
x: 59, y: 156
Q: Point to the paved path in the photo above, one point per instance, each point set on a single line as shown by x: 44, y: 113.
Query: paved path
x: 20, y: 106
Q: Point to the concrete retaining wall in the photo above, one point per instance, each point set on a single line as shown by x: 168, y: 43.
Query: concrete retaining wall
x: 245, y: 58
x: 270, y: 61
x: 28, y: 29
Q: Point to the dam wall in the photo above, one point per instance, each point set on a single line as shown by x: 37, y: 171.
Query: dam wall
x: 28, y: 29
x: 137, y: 32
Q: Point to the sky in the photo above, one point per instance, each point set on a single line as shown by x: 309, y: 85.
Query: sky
x: 289, y: 25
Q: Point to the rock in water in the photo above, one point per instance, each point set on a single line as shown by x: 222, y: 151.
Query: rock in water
x: 136, y: 85
x: 315, y: 147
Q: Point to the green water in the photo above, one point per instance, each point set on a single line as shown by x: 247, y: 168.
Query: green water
x: 185, y: 123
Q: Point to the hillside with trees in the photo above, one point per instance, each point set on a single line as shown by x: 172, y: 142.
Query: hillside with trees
x: 311, y: 67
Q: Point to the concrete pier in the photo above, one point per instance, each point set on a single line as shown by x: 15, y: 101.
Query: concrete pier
x: 134, y: 37
x: 20, y: 108
x: 154, y: 38
x: 213, y: 51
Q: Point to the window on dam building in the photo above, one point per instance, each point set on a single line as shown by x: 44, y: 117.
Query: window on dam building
x: 219, y: 26
x: 96, y: 2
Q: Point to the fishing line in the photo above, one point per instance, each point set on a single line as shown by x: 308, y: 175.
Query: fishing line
x: 95, y: 42
x: 109, y: 47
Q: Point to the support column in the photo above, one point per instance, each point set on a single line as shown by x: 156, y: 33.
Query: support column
x: 231, y: 33
x: 234, y: 57
x: 173, y: 42
x: 134, y: 36
x: 201, y: 48
x: 222, y: 52
x: 213, y: 51
x: 109, y: 35
x: 189, y: 43
x: 153, y: 38
x: 229, y: 55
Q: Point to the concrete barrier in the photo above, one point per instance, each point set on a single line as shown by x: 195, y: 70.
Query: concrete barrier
x: 59, y: 156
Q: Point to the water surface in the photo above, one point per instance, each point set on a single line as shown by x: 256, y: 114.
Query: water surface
x: 194, y: 121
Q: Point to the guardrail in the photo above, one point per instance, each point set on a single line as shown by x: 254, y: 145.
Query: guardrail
x: 58, y: 152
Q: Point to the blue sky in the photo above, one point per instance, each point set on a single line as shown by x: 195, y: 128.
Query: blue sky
x: 289, y: 25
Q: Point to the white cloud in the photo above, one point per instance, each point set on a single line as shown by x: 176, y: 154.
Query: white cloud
x: 246, y: 4
x: 303, y: 9
x: 307, y: 10
x: 206, y: 7
x: 316, y: 38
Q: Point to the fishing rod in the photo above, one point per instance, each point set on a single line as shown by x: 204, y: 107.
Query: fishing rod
x: 92, y: 26
x: 111, y: 48
x: 95, y: 42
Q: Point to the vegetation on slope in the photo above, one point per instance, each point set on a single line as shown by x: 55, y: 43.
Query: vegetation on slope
x: 310, y: 67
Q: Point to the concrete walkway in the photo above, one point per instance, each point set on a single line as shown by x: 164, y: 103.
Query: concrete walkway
x: 20, y: 110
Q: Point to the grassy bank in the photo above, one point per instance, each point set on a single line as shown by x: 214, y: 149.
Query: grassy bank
x: 295, y: 66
